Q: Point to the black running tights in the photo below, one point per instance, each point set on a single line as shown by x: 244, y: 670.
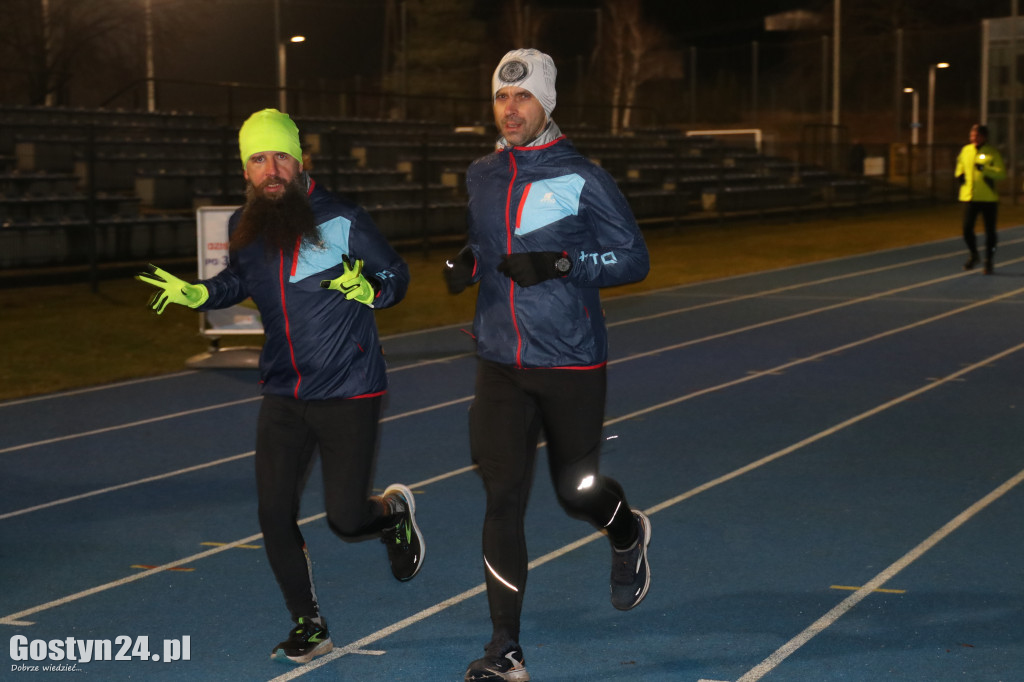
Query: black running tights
x: 288, y: 434
x: 988, y: 210
x: 509, y: 410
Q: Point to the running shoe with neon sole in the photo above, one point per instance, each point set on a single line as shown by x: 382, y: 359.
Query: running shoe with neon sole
x: 502, y: 662
x: 306, y: 641
x: 631, y: 575
x: 404, y: 541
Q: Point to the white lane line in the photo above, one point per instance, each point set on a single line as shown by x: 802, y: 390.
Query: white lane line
x: 128, y: 425
x: 93, y: 389
x: 819, y: 626
x: 18, y: 617
x: 15, y: 618
x: 635, y: 356
x: 816, y: 311
x: 750, y: 376
x: 736, y: 473
x: 789, y: 287
x: 128, y: 484
x: 452, y: 601
x: 90, y: 389
x: 225, y: 460
x: 185, y: 413
x: 773, y: 371
x: 839, y: 259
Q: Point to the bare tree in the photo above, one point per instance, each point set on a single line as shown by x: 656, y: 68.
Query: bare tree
x: 635, y: 54
x: 524, y: 22
x: 46, y: 45
x: 46, y: 40
x: 439, y: 55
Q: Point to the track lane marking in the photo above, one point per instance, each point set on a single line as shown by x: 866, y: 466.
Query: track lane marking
x: 457, y: 325
x: 18, y: 617
x: 129, y: 484
x: 93, y: 389
x: 14, y: 618
x: 749, y: 376
x: 635, y: 356
x: 833, y: 615
x: 788, y: 287
x: 857, y: 596
x: 127, y: 425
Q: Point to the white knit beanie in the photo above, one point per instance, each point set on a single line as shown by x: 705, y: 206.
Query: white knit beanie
x: 528, y: 69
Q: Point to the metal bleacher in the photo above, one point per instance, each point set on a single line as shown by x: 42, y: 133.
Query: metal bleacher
x: 80, y: 186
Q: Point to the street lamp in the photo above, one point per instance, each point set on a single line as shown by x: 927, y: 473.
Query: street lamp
x: 915, y: 124
x: 282, y: 69
x: 931, y: 114
x: 282, y: 72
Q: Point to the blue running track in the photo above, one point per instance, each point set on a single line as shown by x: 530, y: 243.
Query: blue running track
x: 831, y: 456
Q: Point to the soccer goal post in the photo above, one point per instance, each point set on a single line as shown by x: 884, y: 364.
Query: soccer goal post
x: 750, y: 134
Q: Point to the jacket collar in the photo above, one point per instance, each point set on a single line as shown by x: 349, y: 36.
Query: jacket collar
x: 549, y: 135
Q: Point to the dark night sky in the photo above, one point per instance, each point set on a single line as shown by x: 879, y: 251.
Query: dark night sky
x: 235, y: 39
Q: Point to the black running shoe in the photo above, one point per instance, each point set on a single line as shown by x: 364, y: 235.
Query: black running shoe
x: 501, y: 662
x: 631, y: 575
x: 306, y: 641
x: 403, y: 540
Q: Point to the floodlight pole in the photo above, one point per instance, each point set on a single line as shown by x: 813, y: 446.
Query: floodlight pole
x: 836, y: 86
x: 835, y: 62
x: 150, y: 70
x: 49, y: 97
x: 1012, y: 132
x: 931, y: 111
x: 915, y: 123
x: 931, y: 117
x: 282, y: 93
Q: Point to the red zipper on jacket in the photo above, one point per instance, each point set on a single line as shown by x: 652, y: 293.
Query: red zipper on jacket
x: 508, y: 249
x: 284, y: 303
x: 287, y: 323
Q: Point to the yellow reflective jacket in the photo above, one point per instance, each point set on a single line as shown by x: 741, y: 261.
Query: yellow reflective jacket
x: 975, y: 184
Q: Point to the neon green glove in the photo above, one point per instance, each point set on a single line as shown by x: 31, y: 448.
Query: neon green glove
x: 172, y: 290
x: 352, y: 283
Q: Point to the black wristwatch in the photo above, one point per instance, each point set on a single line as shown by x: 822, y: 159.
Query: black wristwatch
x: 563, y: 265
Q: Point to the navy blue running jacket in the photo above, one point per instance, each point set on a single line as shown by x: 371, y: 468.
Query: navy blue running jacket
x: 318, y: 344
x: 548, y: 198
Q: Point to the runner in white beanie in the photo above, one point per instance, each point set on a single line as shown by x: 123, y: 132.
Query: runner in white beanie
x: 528, y: 69
x: 546, y: 229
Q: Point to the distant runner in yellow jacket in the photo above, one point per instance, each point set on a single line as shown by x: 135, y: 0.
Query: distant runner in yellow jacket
x: 978, y: 167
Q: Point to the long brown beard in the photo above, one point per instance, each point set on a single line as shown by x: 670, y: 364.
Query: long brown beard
x: 282, y: 223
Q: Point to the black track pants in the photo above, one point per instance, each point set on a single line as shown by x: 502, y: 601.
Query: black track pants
x: 509, y: 410
x: 288, y: 433
x: 988, y: 211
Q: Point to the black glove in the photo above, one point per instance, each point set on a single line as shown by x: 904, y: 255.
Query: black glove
x: 458, y: 271
x: 532, y: 267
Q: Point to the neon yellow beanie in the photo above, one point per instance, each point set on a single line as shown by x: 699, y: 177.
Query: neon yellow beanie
x: 269, y: 130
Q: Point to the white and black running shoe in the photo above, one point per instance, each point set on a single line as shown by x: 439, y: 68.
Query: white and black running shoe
x: 403, y: 540
x: 631, y: 575
x: 502, y: 661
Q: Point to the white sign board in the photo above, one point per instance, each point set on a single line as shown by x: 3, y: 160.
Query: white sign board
x: 874, y: 165
x: 212, y: 248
